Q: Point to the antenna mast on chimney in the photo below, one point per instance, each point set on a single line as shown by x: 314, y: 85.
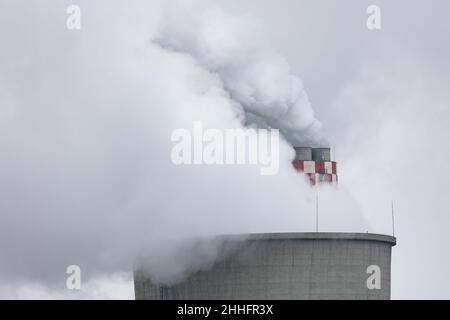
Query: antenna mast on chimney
x: 393, y: 220
x: 317, y: 212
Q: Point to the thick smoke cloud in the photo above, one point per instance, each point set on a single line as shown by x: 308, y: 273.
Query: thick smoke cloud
x: 86, y: 119
x: 255, y: 76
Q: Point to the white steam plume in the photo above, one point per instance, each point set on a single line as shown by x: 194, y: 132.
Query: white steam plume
x: 85, y: 170
x: 254, y: 75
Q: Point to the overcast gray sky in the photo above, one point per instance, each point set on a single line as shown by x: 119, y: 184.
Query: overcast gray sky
x: 83, y: 114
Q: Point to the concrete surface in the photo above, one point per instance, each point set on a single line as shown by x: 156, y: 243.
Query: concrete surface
x: 286, y: 266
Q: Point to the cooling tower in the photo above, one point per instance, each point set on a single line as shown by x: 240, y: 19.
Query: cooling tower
x: 287, y: 266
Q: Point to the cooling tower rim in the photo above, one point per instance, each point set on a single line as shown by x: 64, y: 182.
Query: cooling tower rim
x: 314, y: 236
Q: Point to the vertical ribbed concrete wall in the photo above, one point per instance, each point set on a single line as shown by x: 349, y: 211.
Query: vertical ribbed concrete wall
x: 287, y: 266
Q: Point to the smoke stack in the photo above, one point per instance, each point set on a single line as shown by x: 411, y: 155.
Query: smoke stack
x: 316, y: 164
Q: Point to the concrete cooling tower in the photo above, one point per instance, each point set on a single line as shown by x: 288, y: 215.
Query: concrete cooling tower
x: 289, y: 265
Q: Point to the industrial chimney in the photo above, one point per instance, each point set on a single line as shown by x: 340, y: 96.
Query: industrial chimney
x: 316, y: 164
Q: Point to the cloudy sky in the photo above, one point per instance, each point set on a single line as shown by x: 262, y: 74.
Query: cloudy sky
x: 86, y: 117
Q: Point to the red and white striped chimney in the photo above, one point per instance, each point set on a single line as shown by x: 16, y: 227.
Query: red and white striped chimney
x: 316, y: 164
